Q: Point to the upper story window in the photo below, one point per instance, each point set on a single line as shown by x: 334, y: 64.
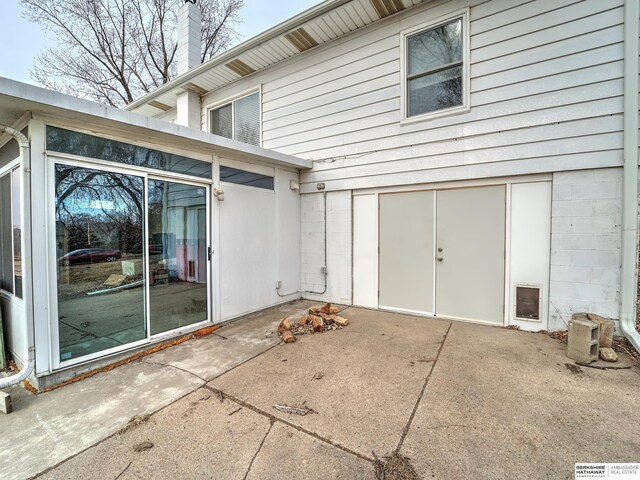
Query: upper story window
x: 436, y: 68
x: 238, y: 119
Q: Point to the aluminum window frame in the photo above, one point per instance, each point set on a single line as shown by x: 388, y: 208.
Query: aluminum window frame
x: 55, y: 158
x: 230, y: 100
x: 8, y: 170
x: 463, y: 15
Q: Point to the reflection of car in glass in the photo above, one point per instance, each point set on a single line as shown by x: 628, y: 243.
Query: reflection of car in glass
x: 90, y: 255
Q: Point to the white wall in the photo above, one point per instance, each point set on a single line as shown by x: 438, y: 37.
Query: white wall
x: 529, y: 248
x: 365, y: 250
x: 338, y: 246
x: 259, y: 244
x: 585, y: 244
x: 288, y: 234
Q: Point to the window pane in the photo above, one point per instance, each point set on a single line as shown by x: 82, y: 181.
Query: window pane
x: 247, y: 119
x: 76, y: 143
x: 99, y: 246
x: 177, y: 255
x: 436, y: 47
x: 436, y: 91
x: 242, y: 177
x: 221, y: 121
x: 6, y: 247
x: 17, y: 231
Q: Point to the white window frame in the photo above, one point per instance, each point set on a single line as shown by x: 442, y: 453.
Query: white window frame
x: 466, y: 80
x: 230, y: 100
x: 7, y: 170
x: 55, y: 158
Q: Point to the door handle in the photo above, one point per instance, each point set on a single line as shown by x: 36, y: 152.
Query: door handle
x: 440, y: 259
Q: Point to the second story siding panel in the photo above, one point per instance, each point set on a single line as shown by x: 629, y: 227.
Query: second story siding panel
x: 546, y: 87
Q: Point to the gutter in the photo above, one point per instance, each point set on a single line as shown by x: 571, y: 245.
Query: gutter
x: 25, y: 164
x: 239, y: 49
x: 629, y: 277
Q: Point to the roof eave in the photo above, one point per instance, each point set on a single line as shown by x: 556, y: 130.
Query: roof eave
x: 239, y: 49
x: 30, y: 97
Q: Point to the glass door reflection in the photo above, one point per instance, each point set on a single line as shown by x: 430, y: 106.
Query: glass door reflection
x: 99, y: 248
x: 177, y: 239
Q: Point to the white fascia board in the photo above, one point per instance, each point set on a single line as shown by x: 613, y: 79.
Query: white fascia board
x: 23, y: 96
x: 241, y: 48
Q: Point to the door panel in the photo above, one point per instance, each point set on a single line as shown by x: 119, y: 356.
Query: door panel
x: 99, y: 218
x: 177, y: 255
x: 407, y: 251
x: 470, y: 233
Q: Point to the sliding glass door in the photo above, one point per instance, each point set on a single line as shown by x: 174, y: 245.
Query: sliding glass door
x: 100, y: 253
x: 131, y: 258
x: 178, y: 276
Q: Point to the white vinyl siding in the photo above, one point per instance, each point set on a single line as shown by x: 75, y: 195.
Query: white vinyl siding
x: 545, y: 95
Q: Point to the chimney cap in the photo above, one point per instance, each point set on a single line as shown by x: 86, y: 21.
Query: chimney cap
x: 190, y: 1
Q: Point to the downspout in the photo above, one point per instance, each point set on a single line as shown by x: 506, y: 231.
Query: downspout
x: 628, y: 281
x: 25, y: 164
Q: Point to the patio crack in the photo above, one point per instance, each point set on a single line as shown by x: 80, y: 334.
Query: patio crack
x: 259, y: 449
x: 274, y: 419
x: 173, y: 366
x: 405, y: 431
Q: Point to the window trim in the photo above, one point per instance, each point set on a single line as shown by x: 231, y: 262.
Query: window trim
x: 463, y: 14
x: 230, y: 100
x: 8, y: 170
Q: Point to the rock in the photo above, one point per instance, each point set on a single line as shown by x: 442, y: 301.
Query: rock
x: 317, y: 323
x: 608, y: 354
x: 304, y: 320
x: 141, y: 447
x: 343, y: 322
x: 606, y: 329
x: 288, y: 337
x: 285, y: 324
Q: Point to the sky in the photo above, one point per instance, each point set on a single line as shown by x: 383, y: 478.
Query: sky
x: 22, y: 40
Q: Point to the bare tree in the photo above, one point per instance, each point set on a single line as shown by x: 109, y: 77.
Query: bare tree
x: 114, y: 51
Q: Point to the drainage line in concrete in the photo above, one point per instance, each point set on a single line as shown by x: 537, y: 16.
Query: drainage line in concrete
x: 405, y: 431
x: 273, y: 418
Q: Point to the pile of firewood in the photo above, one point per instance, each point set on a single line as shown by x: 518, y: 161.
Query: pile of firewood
x: 320, y: 319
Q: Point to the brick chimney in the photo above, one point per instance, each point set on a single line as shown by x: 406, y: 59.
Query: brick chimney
x: 188, y: 53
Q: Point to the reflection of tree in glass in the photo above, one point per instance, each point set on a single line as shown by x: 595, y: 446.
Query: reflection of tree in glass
x: 435, y: 68
x: 435, y: 48
x: 246, y: 132
x: 82, y: 144
x: 100, y: 209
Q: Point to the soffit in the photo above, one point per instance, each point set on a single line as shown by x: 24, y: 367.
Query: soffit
x: 322, y: 24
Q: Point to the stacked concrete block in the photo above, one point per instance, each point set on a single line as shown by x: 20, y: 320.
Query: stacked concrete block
x: 584, y: 336
x: 585, y: 244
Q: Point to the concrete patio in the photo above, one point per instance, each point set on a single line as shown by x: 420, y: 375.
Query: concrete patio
x: 461, y: 400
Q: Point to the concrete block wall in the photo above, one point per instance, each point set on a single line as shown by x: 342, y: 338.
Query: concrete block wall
x: 586, y: 237
x: 338, y: 246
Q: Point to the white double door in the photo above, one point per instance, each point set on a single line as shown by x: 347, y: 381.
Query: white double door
x: 442, y: 253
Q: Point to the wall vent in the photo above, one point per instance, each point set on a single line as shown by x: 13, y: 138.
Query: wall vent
x: 384, y: 8
x: 528, y: 302
x: 301, y: 39
x: 240, y: 67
